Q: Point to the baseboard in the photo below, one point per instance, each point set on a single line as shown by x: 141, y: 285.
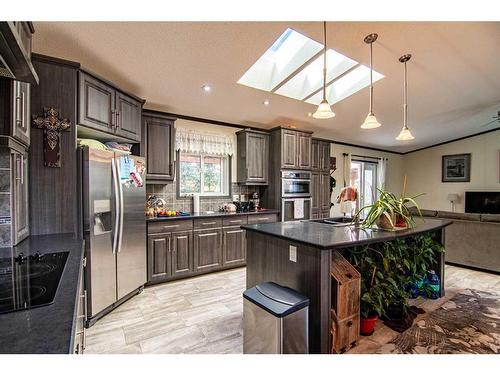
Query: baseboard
x: 473, y: 268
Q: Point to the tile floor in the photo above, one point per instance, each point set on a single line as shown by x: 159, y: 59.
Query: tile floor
x: 204, y: 315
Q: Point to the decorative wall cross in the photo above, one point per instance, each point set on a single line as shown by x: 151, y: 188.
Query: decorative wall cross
x: 52, y: 126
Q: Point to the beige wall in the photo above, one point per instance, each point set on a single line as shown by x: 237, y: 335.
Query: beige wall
x: 394, y: 174
x: 423, y: 169
x: 215, y: 129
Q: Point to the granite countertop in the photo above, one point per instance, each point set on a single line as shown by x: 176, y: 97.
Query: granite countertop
x: 46, y: 329
x: 326, y: 236
x: 214, y: 214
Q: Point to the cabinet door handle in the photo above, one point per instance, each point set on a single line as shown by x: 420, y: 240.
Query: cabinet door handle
x: 169, y: 244
x: 235, y: 221
x: 113, y: 121
x: 170, y: 226
x: 23, y: 111
x: 22, y: 169
x: 209, y: 223
x: 349, y: 323
x: 118, y: 119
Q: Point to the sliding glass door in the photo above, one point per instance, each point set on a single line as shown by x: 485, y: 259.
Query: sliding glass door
x: 364, y: 178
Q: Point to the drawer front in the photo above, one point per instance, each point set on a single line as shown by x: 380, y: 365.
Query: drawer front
x: 345, y: 333
x: 262, y: 218
x: 234, y: 220
x: 170, y: 226
x: 206, y: 223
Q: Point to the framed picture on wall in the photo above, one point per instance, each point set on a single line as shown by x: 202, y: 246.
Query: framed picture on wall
x: 456, y: 168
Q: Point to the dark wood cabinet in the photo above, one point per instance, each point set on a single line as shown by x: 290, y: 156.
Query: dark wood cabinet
x: 234, y: 246
x: 303, y: 150
x: 159, y: 256
x: 324, y: 156
x: 320, y: 187
x: 294, y: 148
x: 253, y: 157
x: 289, y: 149
x: 315, y: 154
x: 97, y: 104
x: 128, y: 116
x: 324, y: 191
x: 207, y: 249
x: 315, y: 189
x: 15, y: 110
x: 320, y: 158
x: 20, y: 197
x: 158, y: 146
x: 182, y: 253
x: 180, y: 248
x: 104, y: 108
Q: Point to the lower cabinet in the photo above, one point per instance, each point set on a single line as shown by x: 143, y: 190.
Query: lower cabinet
x: 207, y: 249
x: 159, y: 256
x: 180, y: 248
x: 182, y: 253
x: 234, y: 246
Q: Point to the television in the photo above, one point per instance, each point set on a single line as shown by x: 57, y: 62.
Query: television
x: 482, y: 202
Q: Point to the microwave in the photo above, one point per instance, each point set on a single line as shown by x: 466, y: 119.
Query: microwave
x: 295, y: 184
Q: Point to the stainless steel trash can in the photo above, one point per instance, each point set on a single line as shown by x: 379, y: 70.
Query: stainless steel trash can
x: 275, y: 320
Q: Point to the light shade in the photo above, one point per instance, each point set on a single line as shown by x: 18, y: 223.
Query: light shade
x: 370, y: 122
x: 405, y: 135
x: 324, y: 110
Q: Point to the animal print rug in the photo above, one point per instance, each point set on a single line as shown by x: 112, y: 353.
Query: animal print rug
x: 467, y: 323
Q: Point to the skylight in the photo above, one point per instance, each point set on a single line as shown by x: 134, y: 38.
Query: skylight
x: 293, y: 67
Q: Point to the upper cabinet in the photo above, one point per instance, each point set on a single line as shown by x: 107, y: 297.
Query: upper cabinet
x: 253, y: 157
x: 320, y: 158
x: 108, y: 110
x: 294, y: 147
x: 157, y: 146
x: 15, y: 113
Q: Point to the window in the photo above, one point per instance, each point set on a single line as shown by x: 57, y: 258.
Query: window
x: 293, y: 67
x: 207, y: 175
x: 364, y: 178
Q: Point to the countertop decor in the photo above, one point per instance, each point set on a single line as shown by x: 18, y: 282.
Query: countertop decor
x: 212, y: 214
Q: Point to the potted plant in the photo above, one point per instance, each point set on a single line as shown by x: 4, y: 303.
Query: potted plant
x: 389, y: 212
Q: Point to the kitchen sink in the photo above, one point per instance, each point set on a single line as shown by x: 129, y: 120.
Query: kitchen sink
x: 341, y: 221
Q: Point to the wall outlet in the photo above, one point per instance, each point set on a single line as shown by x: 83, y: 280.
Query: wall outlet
x: 293, y: 254
x: 236, y: 197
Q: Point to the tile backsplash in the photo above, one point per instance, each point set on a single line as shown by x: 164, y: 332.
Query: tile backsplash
x: 168, y: 193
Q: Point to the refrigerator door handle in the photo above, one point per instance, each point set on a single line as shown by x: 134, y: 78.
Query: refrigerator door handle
x: 120, y: 187
x: 117, y: 206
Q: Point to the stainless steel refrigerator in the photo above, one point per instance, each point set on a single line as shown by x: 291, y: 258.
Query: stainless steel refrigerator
x: 114, y: 227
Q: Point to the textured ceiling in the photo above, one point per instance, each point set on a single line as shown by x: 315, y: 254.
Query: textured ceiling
x: 454, y: 75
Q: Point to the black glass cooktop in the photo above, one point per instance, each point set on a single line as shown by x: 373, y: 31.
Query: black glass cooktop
x: 30, y: 281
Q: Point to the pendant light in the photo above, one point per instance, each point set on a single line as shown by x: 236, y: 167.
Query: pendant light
x: 371, y: 121
x: 324, y: 110
x: 405, y: 134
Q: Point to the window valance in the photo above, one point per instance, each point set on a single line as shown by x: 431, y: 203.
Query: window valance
x: 203, y: 143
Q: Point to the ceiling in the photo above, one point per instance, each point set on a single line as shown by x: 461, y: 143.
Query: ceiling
x: 454, y: 74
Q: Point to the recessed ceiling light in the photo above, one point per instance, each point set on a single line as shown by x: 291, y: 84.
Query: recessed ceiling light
x: 309, y: 114
x: 266, y: 102
x: 206, y: 88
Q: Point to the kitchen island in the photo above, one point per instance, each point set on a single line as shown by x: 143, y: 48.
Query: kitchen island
x: 299, y: 254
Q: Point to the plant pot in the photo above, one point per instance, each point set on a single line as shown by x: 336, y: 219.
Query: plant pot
x: 400, y: 222
x: 367, y: 325
x: 384, y: 223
